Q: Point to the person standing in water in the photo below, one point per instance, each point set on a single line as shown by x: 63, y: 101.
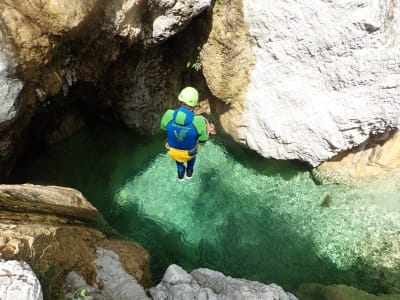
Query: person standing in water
x: 185, y: 131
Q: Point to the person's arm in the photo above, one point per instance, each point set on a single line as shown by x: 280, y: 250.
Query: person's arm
x: 201, y: 127
x: 167, y: 117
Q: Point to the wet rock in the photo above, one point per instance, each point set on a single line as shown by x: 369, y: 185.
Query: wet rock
x: 18, y: 282
x: 208, y: 284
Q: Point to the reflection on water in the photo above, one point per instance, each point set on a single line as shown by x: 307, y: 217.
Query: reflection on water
x: 240, y: 214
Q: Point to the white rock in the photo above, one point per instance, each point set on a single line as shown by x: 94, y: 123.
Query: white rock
x: 176, y: 275
x: 18, y: 282
x: 212, y: 285
x: 327, y: 76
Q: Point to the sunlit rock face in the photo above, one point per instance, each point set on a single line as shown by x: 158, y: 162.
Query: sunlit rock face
x: 326, y: 76
x: 227, y: 60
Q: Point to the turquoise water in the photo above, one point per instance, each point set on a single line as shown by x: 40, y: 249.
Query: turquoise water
x: 240, y: 214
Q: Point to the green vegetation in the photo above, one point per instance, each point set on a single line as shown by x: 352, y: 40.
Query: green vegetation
x: 79, y: 294
x: 51, y: 279
x: 196, y: 64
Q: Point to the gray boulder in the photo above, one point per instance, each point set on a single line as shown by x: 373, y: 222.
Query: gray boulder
x: 18, y: 281
x: 326, y: 76
x: 207, y: 284
x: 116, y: 283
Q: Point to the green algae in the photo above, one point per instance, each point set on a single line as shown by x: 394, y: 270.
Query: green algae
x: 239, y: 214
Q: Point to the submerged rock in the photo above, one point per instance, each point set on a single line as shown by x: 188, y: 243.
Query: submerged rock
x: 313, y: 291
x: 327, y: 201
x: 177, y: 284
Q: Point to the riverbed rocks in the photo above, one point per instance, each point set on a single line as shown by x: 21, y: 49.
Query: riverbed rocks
x: 18, y: 281
x: 177, y: 284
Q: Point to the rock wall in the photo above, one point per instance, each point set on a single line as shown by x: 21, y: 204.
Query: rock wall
x: 227, y: 59
x: 53, y: 46
x: 325, y: 78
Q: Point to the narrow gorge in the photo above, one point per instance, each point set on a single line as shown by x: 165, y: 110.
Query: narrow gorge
x: 295, y: 195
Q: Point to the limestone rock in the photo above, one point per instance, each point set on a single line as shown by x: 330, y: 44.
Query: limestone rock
x: 47, y: 199
x: 173, y: 16
x: 326, y: 76
x: 227, y: 61
x: 18, y: 282
x: 208, y: 284
x: 115, y: 281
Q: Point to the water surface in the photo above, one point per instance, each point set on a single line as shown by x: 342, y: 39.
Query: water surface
x: 240, y: 214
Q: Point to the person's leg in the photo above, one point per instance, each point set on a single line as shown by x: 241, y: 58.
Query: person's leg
x: 190, y: 166
x: 181, y: 170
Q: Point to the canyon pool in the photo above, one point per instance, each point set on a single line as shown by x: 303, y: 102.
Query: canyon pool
x: 240, y: 214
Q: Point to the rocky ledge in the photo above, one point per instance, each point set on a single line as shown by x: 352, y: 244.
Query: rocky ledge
x: 55, y: 230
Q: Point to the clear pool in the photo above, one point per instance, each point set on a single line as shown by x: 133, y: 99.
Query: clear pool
x: 240, y: 214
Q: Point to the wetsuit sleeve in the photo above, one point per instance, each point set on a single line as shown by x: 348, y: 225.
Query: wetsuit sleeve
x: 201, y: 128
x: 167, y: 117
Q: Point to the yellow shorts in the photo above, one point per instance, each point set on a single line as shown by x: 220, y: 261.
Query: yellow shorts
x: 180, y: 155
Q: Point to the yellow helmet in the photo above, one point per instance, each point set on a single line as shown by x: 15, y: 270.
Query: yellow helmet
x: 189, y: 95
